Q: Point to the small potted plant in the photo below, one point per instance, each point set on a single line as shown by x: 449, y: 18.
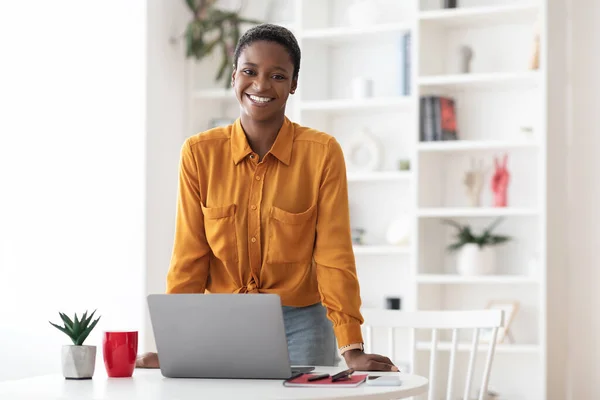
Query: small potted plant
x: 78, y: 361
x: 476, y: 253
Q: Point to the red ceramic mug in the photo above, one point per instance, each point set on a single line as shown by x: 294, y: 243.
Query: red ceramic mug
x: 120, y: 351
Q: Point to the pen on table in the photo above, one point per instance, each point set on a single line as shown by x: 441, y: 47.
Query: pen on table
x: 342, y: 375
x: 318, y: 377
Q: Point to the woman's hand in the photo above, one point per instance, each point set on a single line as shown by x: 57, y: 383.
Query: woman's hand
x: 361, y: 361
x: 147, y: 360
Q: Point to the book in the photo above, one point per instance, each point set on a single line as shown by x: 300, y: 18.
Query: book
x: 302, y: 381
x: 437, y: 119
x: 405, y: 64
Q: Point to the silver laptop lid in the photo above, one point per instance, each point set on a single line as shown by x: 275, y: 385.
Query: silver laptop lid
x: 220, y: 335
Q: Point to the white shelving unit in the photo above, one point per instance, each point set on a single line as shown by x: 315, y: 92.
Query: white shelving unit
x: 499, y: 96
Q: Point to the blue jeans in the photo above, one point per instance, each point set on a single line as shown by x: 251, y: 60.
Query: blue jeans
x: 310, y: 336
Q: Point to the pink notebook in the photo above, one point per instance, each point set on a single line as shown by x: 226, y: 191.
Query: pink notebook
x: 302, y: 381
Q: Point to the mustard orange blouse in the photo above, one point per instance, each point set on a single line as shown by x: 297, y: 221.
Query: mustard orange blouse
x: 277, y: 226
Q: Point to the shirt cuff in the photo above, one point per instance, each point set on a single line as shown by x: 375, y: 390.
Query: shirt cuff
x: 348, y: 334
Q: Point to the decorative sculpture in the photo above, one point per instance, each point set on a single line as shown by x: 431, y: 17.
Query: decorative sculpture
x: 466, y: 56
x: 474, y: 178
x: 500, y: 181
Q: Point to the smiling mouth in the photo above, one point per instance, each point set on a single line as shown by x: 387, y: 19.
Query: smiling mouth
x: 259, y: 99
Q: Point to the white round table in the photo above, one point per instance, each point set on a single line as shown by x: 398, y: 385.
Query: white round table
x: 151, y: 385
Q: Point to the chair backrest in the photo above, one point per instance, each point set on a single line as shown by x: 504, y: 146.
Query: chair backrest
x: 436, y: 321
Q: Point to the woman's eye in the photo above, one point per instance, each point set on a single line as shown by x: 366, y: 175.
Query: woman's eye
x: 279, y: 77
x: 248, y: 72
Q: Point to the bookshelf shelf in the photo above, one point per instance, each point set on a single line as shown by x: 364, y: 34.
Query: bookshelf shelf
x: 352, y: 34
x: 484, y: 280
x: 380, y: 250
x: 526, y: 79
x: 500, y: 348
x: 351, y: 105
x: 457, y: 212
x: 473, y: 145
x: 379, y: 176
x: 481, y: 16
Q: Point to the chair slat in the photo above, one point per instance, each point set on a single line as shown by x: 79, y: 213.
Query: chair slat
x: 471, y: 367
x: 432, y: 363
x: 452, y: 364
x: 488, y: 365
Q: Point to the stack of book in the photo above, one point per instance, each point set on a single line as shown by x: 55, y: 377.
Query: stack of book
x: 437, y: 118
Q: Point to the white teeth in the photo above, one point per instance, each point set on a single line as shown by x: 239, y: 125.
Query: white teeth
x: 260, y: 99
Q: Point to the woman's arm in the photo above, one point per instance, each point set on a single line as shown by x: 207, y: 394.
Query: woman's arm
x: 188, y: 270
x: 336, y: 269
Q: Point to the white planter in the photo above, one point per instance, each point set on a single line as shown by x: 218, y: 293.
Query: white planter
x: 78, y: 362
x: 473, y: 261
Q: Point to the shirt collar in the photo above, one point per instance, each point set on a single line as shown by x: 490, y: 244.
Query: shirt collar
x: 281, y: 149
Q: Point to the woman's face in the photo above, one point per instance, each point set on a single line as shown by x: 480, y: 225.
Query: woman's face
x: 263, y: 80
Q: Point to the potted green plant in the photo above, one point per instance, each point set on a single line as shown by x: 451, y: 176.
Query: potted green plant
x: 78, y: 361
x: 210, y: 28
x: 476, y: 253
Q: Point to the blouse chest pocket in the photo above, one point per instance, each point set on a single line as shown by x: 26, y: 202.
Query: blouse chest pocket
x: 219, y: 225
x: 291, y: 236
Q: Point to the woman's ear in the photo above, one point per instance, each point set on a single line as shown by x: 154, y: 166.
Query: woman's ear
x: 294, y: 86
x: 233, y: 78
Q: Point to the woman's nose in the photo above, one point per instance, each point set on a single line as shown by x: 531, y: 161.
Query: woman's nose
x: 262, y: 83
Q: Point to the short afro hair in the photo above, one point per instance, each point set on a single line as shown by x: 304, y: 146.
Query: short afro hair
x: 271, y: 33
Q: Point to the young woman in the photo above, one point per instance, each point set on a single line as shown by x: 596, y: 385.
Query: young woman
x: 263, y: 208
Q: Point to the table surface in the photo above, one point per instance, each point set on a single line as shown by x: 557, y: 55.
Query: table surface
x: 151, y: 385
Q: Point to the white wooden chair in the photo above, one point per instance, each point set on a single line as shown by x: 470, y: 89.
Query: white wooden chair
x: 436, y: 321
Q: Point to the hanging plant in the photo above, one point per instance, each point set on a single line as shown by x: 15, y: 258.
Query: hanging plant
x: 214, y: 29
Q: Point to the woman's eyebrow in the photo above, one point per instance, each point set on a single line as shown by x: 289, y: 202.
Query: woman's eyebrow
x: 249, y: 64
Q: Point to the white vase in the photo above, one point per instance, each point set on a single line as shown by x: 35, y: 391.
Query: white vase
x: 473, y: 260
x: 78, y: 362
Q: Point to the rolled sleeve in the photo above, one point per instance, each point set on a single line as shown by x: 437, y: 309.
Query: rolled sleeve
x: 333, y: 255
x: 188, y: 270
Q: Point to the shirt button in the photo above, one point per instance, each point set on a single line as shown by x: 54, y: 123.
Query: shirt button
x: 253, y: 207
x: 253, y: 240
x: 257, y: 178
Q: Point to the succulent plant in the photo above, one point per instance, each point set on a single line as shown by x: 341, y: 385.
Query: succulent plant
x: 465, y: 235
x: 77, y: 329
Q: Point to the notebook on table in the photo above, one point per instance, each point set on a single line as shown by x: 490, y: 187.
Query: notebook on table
x: 302, y: 381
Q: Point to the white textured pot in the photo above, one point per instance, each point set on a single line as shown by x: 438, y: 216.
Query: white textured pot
x: 78, y: 362
x: 473, y: 261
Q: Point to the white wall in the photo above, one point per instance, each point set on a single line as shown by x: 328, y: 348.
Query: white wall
x: 583, y: 370
x: 72, y: 144
x: 166, y: 116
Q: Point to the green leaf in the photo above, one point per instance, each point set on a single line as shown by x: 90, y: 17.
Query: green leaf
x: 499, y: 239
x: 452, y: 223
x: 66, y: 332
x: 67, y: 321
x: 191, y: 5
x: 76, y: 325
x: 90, y: 317
x: 86, y: 332
x: 494, y: 225
x: 83, y: 321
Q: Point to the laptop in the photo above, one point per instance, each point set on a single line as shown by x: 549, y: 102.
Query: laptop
x: 221, y: 336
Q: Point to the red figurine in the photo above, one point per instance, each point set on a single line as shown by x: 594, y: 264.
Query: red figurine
x: 500, y: 182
